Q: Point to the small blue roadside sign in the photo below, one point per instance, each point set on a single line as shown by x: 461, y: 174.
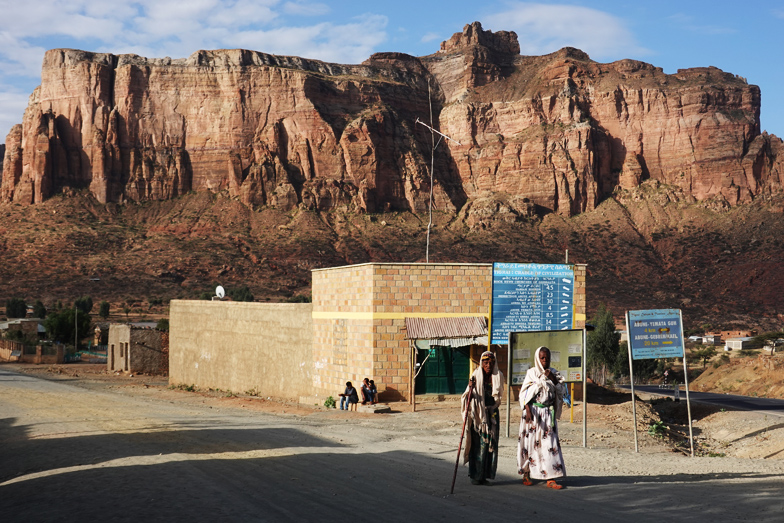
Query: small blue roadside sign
x: 655, y: 334
x: 531, y: 297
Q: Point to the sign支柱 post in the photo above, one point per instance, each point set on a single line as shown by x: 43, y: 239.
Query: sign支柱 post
x: 656, y: 334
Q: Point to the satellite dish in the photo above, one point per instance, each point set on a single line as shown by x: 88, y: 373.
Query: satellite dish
x: 219, y: 292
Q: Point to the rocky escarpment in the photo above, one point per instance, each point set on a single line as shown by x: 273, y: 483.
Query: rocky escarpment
x: 555, y: 133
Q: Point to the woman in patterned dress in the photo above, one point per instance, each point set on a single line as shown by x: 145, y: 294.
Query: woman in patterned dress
x: 541, y: 398
x: 481, y: 448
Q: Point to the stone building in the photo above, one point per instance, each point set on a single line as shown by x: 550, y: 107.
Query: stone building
x: 137, y: 350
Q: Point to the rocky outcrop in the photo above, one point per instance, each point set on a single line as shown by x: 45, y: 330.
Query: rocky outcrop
x: 555, y: 133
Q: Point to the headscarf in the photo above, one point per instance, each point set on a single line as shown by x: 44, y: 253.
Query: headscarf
x: 536, y: 381
x: 477, y: 409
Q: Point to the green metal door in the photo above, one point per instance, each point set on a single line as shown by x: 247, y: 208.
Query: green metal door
x: 446, y: 370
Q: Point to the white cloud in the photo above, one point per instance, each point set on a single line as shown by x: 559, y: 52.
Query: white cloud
x: 429, y: 37
x: 12, y: 107
x: 305, y: 8
x: 341, y: 43
x: 158, y: 28
x: 545, y: 28
x: 18, y: 58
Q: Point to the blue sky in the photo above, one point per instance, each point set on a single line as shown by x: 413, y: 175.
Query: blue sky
x: 744, y: 39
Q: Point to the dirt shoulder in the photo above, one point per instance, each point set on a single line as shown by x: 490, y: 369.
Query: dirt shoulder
x: 760, y: 375
x: 662, y: 424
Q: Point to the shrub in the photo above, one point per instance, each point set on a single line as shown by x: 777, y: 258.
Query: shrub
x: 103, y: 309
x: 329, y: 402
x: 39, y: 311
x: 15, y: 308
x: 240, y: 293
x: 299, y: 298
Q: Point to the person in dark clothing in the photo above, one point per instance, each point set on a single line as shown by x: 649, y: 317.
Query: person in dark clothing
x: 349, y: 397
x: 481, y: 449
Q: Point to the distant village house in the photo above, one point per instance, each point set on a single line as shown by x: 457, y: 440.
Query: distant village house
x: 137, y: 350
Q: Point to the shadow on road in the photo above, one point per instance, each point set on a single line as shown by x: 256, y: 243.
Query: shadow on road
x: 21, y: 455
x: 332, y: 485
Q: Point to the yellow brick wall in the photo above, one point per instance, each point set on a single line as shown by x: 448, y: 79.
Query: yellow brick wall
x: 359, y: 311
x: 342, y: 337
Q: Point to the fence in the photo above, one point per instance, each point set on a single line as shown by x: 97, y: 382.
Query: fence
x: 10, y: 350
x: 14, y: 351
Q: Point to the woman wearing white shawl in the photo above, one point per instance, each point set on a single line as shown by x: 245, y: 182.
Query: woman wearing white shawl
x: 541, y: 398
x: 481, y: 448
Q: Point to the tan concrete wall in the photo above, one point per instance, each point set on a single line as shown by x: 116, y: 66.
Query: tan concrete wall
x: 117, y: 358
x: 241, y: 346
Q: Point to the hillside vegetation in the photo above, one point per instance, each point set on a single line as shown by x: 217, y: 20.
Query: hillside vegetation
x: 649, y: 248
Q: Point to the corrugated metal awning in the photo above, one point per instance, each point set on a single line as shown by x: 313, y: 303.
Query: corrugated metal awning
x: 463, y: 330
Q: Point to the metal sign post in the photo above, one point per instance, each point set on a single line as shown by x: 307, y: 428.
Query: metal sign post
x: 655, y: 334
x: 688, y: 403
x: 585, y: 388
x: 631, y: 382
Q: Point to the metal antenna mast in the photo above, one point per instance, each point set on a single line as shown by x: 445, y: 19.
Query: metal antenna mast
x: 435, y: 144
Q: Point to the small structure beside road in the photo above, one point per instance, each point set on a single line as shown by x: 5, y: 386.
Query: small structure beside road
x: 137, y: 350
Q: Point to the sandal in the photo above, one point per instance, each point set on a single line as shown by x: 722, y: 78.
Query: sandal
x: 527, y: 481
x: 553, y: 485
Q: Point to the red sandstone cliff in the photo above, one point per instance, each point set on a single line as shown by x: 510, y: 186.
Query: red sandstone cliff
x: 554, y: 133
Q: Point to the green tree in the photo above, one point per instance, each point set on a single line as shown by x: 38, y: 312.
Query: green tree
x: 60, y: 325
x: 85, y: 304
x: 642, y: 369
x: 702, y: 353
x: 163, y: 325
x: 154, y: 302
x: 39, y: 311
x: 15, y: 308
x: 103, y: 309
x: 603, y: 345
x: 763, y: 338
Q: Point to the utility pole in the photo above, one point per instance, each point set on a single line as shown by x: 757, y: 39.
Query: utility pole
x: 435, y: 144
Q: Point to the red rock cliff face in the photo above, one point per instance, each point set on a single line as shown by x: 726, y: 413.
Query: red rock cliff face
x: 555, y: 133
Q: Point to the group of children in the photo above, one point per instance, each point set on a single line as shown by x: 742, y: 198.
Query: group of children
x: 350, y: 397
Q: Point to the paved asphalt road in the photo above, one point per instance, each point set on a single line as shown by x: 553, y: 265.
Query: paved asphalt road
x: 68, y: 453
x: 768, y: 406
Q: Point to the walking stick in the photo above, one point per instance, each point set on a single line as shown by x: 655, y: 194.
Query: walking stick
x: 462, y: 433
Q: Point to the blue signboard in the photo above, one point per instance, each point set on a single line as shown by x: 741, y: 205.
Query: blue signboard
x: 531, y: 297
x: 655, y: 334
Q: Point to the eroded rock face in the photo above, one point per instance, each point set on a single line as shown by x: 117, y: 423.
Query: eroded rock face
x: 554, y: 133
